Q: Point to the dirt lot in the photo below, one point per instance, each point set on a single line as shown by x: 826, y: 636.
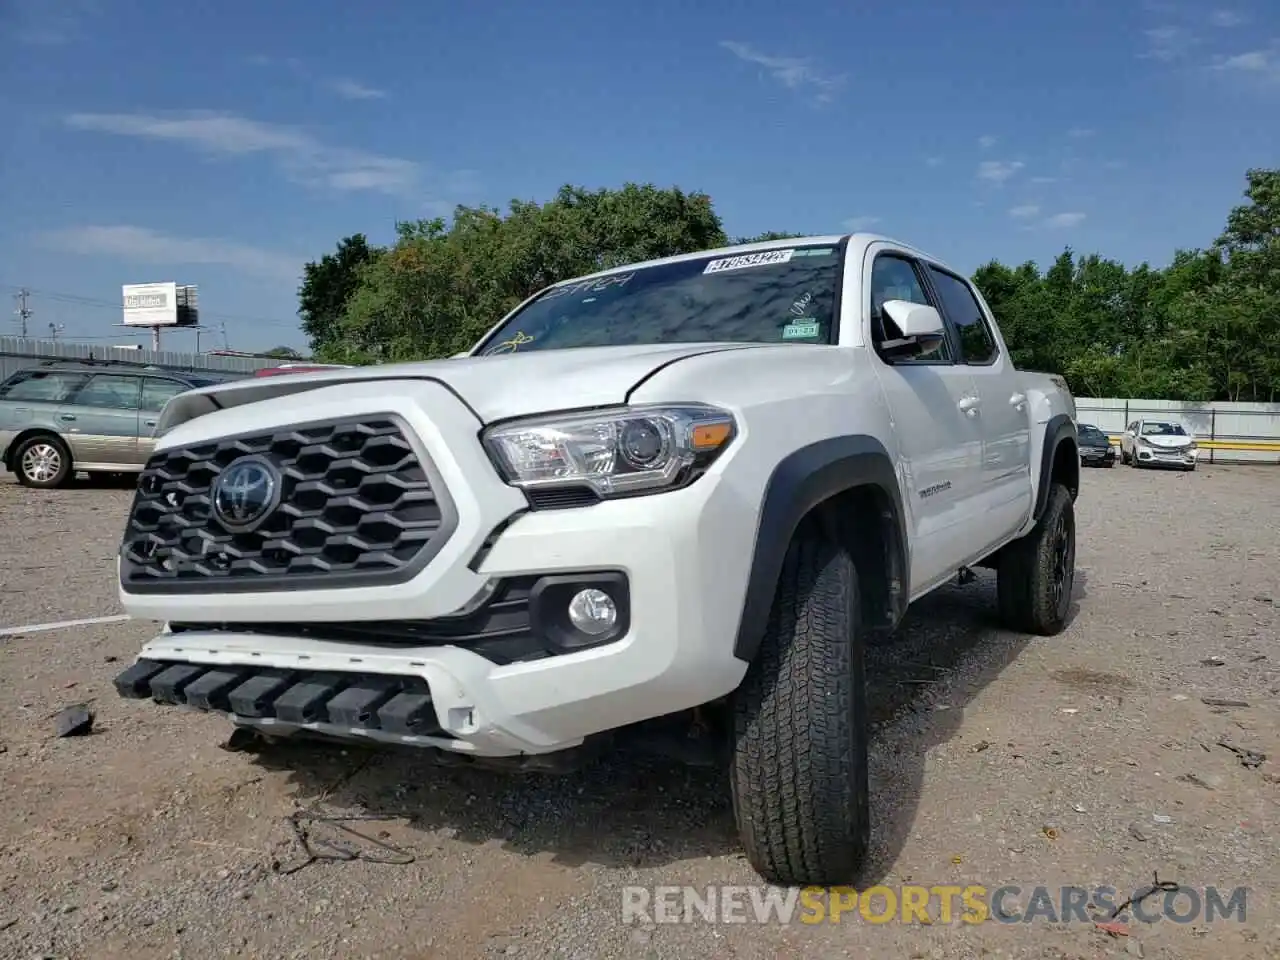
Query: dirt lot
x: 1090, y: 759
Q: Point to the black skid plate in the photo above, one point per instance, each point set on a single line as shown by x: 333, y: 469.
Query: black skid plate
x: 400, y: 706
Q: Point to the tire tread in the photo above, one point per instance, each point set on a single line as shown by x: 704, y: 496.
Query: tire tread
x: 799, y: 766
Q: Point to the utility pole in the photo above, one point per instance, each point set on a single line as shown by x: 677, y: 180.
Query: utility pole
x: 55, y: 329
x: 23, y: 311
x: 226, y: 344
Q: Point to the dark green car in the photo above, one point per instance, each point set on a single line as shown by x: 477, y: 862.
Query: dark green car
x: 63, y: 417
x: 1095, y: 446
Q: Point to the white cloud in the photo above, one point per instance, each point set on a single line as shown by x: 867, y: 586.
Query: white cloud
x: 1167, y: 43
x: 1024, y: 212
x: 299, y: 155
x: 986, y: 141
x: 1065, y: 220
x: 998, y: 171
x: 860, y: 223
x: 354, y: 90
x: 344, y: 87
x: 933, y: 161
x: 794, y: 73
x: 1044, y: 179
x: 143, y: 245
x: 1079, y: 133
x: 1226, y: 18
x: 1255, y: 63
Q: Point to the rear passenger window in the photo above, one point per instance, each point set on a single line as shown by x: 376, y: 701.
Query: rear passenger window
x: 156, y: 393
x: 977, y: 344
x: 110, y: 392
x: 42, y: 387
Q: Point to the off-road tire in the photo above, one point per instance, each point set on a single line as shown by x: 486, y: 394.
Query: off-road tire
x: 1025, y: 583
x: 798, y: 765
x: 63, y: 472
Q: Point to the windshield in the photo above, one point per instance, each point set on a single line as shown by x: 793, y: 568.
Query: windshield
x: 1088, y: 430
x: 1151, y: 429
x: 773, y: 296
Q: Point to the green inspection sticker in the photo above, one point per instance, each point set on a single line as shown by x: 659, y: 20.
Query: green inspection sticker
x: 800, y: 330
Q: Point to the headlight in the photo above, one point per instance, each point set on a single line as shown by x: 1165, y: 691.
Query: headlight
x: 615, y: 452
x: 1193, y: 446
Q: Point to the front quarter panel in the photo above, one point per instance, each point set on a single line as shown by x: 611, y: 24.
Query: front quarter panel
x: 798, y: 408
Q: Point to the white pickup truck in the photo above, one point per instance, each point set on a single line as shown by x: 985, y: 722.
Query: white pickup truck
x: 693, y: 487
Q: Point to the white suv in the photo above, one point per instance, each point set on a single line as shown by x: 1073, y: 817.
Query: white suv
x: 1158, y: 443
x: 691, y: 487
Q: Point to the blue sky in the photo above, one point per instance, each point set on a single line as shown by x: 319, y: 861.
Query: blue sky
x: 151, y: 141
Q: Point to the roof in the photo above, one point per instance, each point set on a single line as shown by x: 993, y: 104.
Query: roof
x: 97, y: 366
x: 741, y: 248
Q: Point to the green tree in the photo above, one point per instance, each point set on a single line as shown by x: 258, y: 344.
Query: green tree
x: 767, y: 235
x: 327, y: 284
x: 1207, y: 326
x: 438, y: 288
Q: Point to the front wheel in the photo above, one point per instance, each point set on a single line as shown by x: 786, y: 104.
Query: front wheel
x: 1037, y: 573
x: 43, y: 462
x: 798, y: 771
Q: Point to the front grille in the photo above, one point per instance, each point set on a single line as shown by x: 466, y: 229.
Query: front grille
x: 357, y: 506
x: 500, y: 630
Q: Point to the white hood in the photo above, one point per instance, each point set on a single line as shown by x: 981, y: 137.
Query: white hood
x: 1165, y: 442
x: 495, y: 387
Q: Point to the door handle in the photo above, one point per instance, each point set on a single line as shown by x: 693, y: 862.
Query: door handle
x: 66, y: 416
x: 151, y: 423
x: 1018, y: 401
x: 969, y: 405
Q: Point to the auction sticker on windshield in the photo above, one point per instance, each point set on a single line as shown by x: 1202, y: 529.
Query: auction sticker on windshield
x: 805, y: 329
x: 762, y: 259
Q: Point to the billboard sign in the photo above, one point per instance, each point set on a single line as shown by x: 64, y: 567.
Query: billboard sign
x: 160, y: 305
x: 150, y: 304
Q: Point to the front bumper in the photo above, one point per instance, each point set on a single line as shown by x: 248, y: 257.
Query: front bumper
x: 331, y: 651
x: 1098, y: 454
x: 1157, y: 456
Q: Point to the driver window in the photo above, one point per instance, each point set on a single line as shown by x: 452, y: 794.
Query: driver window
x: 896, y: 278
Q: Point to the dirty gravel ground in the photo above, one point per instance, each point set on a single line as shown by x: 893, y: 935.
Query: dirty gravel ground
x: 145, y: 839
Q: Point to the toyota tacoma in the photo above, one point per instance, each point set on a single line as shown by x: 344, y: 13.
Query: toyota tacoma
x: 695, y: 487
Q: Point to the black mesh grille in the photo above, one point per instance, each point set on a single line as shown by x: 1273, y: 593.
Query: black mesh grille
x: 356, y: 506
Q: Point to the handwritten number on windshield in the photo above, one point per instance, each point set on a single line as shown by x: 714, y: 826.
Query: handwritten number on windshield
x: 514, y: 344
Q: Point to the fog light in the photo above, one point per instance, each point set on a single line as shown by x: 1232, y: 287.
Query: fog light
x: 593, y: 612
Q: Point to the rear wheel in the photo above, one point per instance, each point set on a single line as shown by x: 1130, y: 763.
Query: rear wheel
x: 1037, y: 573
x: 42, y: 461
x: 799, y: 764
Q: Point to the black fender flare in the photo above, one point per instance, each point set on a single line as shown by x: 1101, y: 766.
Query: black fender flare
x: 1060, y: 429
x: 800, y: 481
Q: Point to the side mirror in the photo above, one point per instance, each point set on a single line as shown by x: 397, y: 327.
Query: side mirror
x: 922, y: 328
